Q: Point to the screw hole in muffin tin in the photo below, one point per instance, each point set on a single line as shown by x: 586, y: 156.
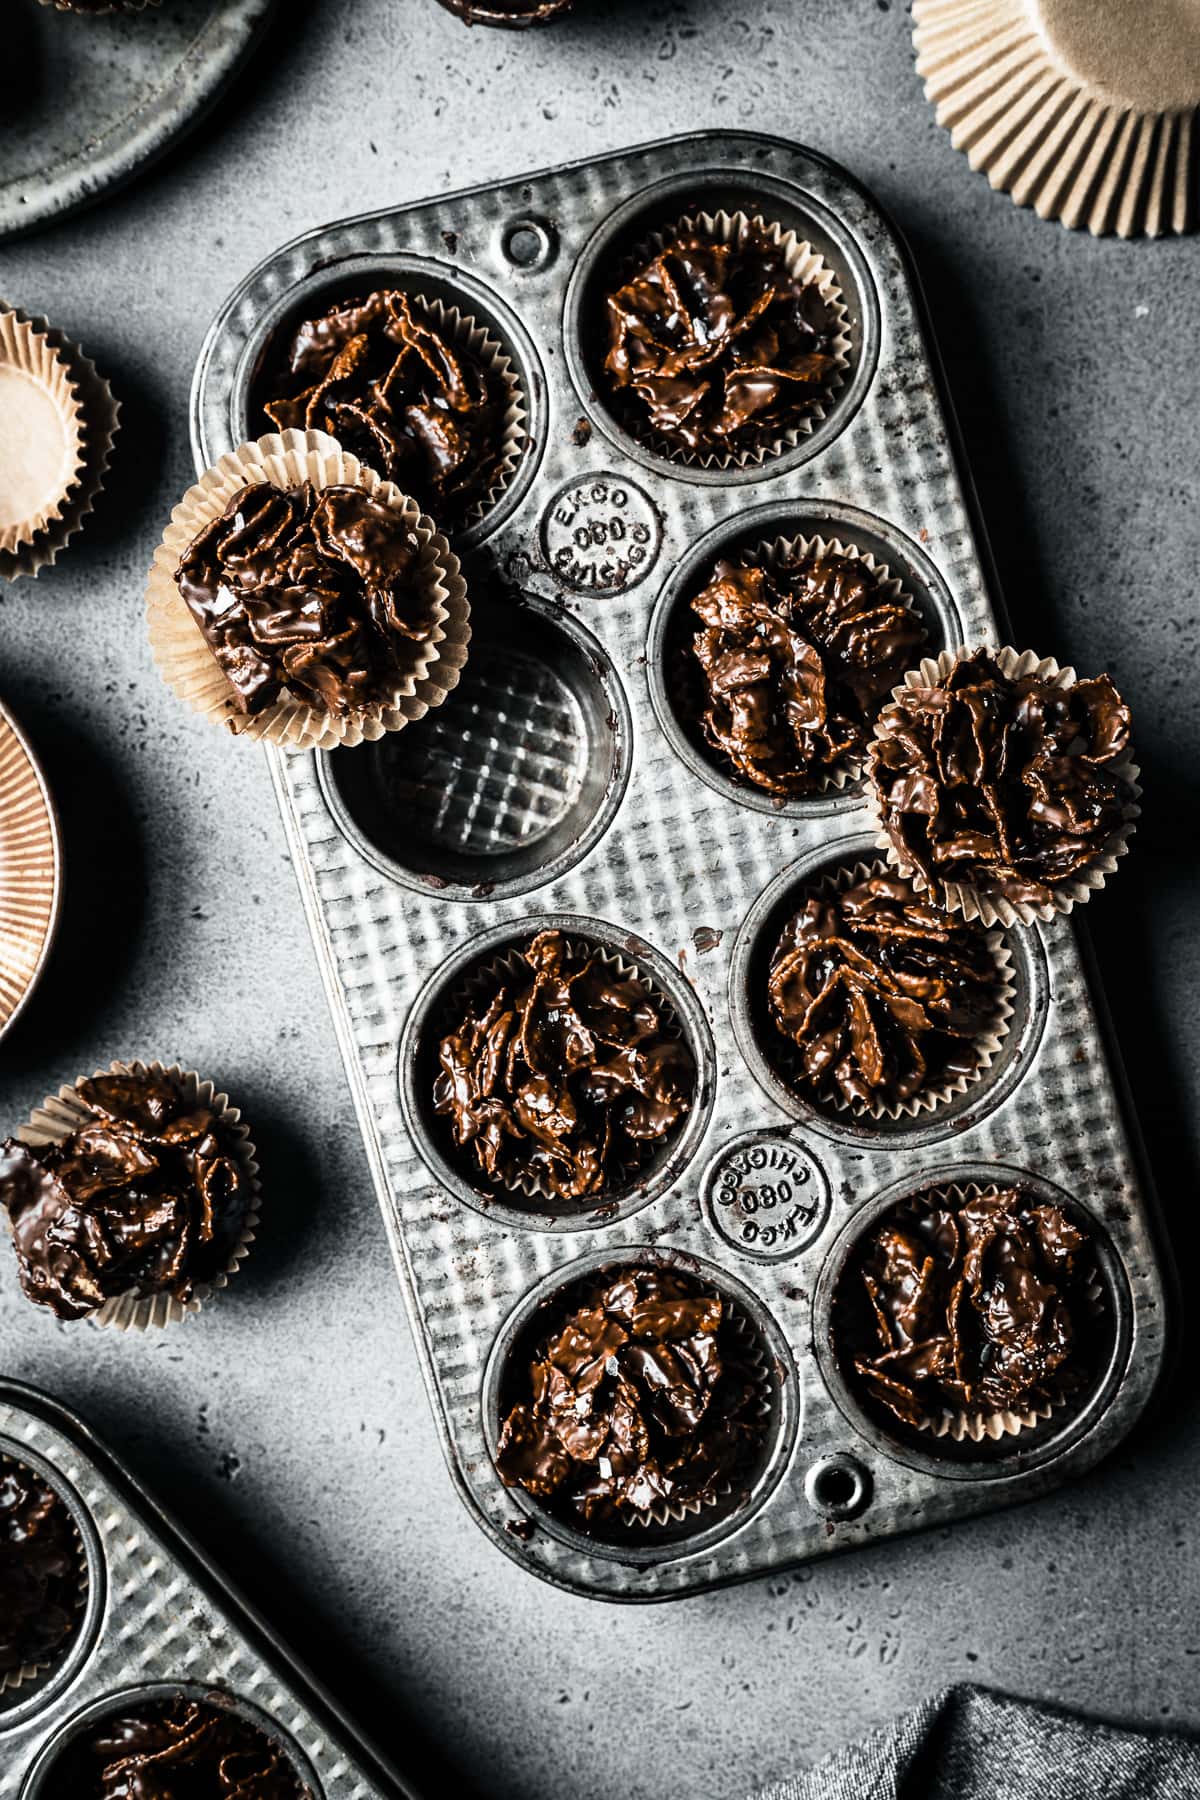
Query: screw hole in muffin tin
x: 838, y: 1309
x: 672, y: 624
x: 529, y: 244
x: 645, y: 1545
x: 838, y: 1487
x: 760, y: 1043
x: 609, y: 533
x: 438, y: 1008
x: 511, y: 781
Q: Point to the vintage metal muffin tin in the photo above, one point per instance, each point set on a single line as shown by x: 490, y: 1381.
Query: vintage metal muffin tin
x: 157, y: 1618
x: 557, y: 783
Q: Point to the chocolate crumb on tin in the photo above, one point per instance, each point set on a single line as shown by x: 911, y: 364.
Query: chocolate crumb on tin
x: 792, y: 659
x: 640, y: 1396
x: 562, y: 1071
x: 201, y: 1751
x: 147, y: 1197
x: 880, y: 995
x: 41, y: 1570
x: 718, y: 346
x: 312, y: 591
x: 1011, y: 785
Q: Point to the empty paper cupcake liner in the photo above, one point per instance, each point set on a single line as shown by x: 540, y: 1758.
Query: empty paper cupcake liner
x: 510, y: 969
x: 30, y: 872
x: 987, y: 1046
x: 188, y: 664
x: 41, y: 434
x: 66, y: 1111
x: 964, y: 897
x: 805, y: 264
x: 980, y: 1424
x: 12, y: 1679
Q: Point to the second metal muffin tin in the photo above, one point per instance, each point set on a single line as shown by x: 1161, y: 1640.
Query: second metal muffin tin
x: 558, y: 784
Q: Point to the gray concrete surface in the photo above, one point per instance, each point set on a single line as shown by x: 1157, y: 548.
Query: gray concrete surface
x: 289, y: 1426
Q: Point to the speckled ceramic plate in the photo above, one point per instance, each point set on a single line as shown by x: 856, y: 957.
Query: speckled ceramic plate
x: 30, y: 870
x: 86, y: 102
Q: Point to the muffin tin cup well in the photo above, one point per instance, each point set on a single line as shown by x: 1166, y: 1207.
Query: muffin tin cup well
x: 677, y: 1531
x: 62, y: 1113
x: 994, y: 1446
x: 26, y: 1690
x: 946, y: 1112
x: 439, y: 1007
x: 974, y: 902
x: 512, y: 781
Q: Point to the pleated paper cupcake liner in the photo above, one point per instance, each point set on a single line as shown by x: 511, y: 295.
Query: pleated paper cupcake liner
x: 987, y: 1045
x: 12, y: 1679
x: 509, y: 968
x: 41, y: 434
x: 62, y: 1113
x: 189, y: 666
x: 30, y: 872
x: 1111, y: 155
x: 806, y: 265
x: 965, y: 897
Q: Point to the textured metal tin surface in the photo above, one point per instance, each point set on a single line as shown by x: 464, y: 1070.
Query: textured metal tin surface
x: 157, y: 1615
x: 600, y: 527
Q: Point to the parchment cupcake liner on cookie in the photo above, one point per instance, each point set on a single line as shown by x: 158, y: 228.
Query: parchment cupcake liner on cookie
x: 187, y: 663
x: 62, y: 1113
x: 965, y: 897
x: 987, y: 1045
x: 41, y: 434
x: 804, y: 263
x: 12, y: 1679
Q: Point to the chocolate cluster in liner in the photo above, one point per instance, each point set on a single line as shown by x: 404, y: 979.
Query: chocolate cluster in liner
x: 1010, y: 786
x: 561, y: 1074
x: 718, y: 346
x: 794, y: 658
x: 400, y: 393
x: 508, y: 12
x: 182, y: 1748
x: 641, y: 1395
x: 40, y: 1570
x: 977, y: 1307
x: 312, y: 591
x: 880, y: 995
x: 147, y: 1197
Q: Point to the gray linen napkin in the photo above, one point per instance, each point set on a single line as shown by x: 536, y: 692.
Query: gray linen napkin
x: 969, y: 1744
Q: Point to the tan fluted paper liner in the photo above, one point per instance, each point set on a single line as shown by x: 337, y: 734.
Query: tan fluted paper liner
x: 41, y: 433
x: 1082, y: 109
x: 62, y: 1113
x: 11, y: 1679
x: 30, y: 872
x: 187, y: 663
x: 97, y: 414
x: 806, y: 265
x: 963, y: 897
x: 510, y: 968
x: 987, y: 1046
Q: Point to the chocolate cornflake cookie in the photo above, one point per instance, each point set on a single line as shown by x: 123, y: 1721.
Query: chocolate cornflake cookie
x: 41, y: 1570
x: 719, y: 347
x: 977, y: 1306
x: 315, y: 592
x: 185, y: 1748
x: 1010, y: 786
x: 515, y: 13
x: 880, y: 995
x: 794, y: 658
x: 642, y: 1394
x: 401, y: 393
x: 148, y: 1197
x: 562, y: 1073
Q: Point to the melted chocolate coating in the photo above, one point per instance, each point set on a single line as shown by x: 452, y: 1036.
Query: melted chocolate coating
x: 1008, y: 786
x: 641, y: 1393
x: 145, y: 1198
x: 315, y: 592
x: 882, y: 995
x: 975, y: 1306
x: 404, y: 398
x: 565, y: 1074
x: 40, y: 1569
x: 515, y: 14
x: 793, y: 662
x: 718, y: 346
x: 177, y: 1749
